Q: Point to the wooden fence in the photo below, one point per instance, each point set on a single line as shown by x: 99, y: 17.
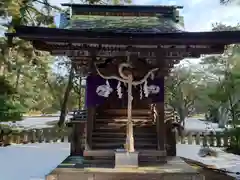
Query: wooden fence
x: 46, y: 135
x: 218, y: 139
x: 51, y: 135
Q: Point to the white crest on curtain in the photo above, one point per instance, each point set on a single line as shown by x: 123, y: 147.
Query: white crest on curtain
x: 104, y: 90
x: 153, y: 89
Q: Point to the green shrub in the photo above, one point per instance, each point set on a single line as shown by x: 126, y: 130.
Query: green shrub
x: 10, y: 108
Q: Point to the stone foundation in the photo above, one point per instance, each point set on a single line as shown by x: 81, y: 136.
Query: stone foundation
x: 174, y: 169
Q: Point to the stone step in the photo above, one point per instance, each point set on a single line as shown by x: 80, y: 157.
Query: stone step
x: 124, y: 112
x: 142, y: 161
x: 99, y: 163
x: 151, y: 143
x: 122, y: 134
x: 122, y: 139
x: 135, y: 127
x: 110, y: 153
x: 123, y: 119
x: 104, y: 153
x: 141, y: 132
x: 120, y: 145
x: 122, y: 126
x: 136, y: 132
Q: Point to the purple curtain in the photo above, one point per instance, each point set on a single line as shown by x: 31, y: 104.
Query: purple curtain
x: 159, y: 97
x: 94, y: 82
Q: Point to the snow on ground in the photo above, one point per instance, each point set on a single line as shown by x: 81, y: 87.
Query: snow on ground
x: 34, y: 161
x: 35, y: 122
x: 224, y: 160
x: 197, y: 125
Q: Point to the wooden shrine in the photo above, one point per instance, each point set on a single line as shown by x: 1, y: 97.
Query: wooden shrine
x: 125, y: 52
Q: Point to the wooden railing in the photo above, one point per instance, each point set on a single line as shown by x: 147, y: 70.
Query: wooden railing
x: 51, y: 135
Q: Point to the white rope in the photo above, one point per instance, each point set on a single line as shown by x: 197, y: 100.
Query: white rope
x: 125, y: 80
x: 145, y: 89
x: 141, y: 91
x: 119, y: 90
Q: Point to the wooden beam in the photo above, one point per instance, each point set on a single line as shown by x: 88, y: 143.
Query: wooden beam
x: 85, y: 60
x: 177, y: 40
x: 65, y: 35
x: 108, y: 54
x: 146, y: 50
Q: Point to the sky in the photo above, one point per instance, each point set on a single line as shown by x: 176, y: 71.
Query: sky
x: 199, y: 15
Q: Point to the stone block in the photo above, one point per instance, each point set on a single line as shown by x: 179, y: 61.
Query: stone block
x: 126, y: 159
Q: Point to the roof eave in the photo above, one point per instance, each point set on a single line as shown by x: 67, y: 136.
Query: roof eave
x: 58, y: 35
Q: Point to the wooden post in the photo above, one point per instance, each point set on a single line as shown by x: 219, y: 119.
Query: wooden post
x: 160, y: 126
x: 205, y: 139
x: 171, y: 140
x: 225, y: 140
x: 190, y: 140
x: 33, y: 138
x: 218, y: 139
x: 198, y: 138
x: 77, y: 139
x: 211, y: 139
x: 25, y: 137
x: 73, y: 139
x: 130, y: 139
x: 90, y: 122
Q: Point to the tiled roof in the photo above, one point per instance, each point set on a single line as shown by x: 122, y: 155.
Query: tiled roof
x: 120, y: 24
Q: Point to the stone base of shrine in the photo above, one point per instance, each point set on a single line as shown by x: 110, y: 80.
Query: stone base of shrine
x: 126, y: 159
x: 174, y: 169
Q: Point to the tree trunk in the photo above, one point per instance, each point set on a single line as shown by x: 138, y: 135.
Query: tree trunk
x: 17, y: 79
x: 80, y: 94
x: 65, y: 99
x: 181, y: 115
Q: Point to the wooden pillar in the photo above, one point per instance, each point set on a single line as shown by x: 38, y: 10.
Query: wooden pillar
x: 90, y: 124
x: 171, y: 139
x: 77, y: 138
x: 91, y: 110
x: 160, y: 105
x: 160, y: 126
